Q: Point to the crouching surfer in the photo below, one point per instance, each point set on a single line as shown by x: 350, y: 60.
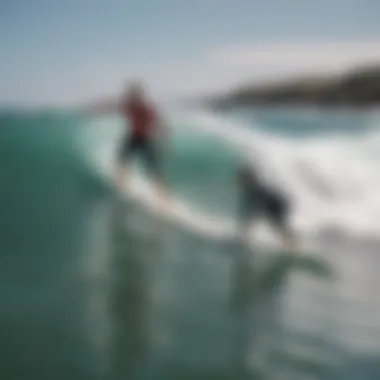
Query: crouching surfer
x: 144, y: 139
x: 260, y: 200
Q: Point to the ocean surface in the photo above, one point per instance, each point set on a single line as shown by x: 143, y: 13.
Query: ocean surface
x: 94, y: 286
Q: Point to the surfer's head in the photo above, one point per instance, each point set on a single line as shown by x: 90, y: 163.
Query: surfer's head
x: 136, y: 92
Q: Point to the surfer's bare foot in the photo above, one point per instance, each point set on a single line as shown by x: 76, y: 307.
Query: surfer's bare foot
x: 164, y: 194
x: 289, y: 243
x: 122, y: 177
x: 242, y: 235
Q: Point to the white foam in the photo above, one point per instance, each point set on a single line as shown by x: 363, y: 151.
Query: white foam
x: 333, y: 180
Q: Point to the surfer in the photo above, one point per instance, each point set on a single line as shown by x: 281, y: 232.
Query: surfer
x: 257, y: 199
x: 143, y: 139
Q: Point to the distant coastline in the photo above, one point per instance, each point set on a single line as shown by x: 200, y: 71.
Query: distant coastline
x: 358, y: 88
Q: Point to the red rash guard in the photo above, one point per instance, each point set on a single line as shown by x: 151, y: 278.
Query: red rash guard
x: 141, y: 118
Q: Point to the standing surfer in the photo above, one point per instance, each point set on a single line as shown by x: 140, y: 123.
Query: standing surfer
x: 258, y: 199
x: 146, y: 129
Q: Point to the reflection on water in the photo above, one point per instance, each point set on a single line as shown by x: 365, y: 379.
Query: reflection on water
x: 119, y: 294
x: 130, y: 303
x: 258, y: 295
x: 120, y: 265
x: 164, y: 304
x: 253, y: 316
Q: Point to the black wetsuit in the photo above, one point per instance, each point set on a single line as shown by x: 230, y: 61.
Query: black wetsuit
x: 258, y: 200
x: 140, y: 141
x: 147, y: 148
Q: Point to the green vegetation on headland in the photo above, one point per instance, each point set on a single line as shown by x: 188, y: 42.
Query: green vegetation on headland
x: 357, y: 88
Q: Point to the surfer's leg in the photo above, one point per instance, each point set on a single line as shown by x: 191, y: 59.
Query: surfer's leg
x: 248, y: 214
x: 288, y: 237
x: 279, y: 218
x: 128, y: 148
x: 153, y: 161
x: 245, y: 229
x: 121, y: 173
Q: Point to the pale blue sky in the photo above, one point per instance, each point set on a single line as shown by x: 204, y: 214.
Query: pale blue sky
x: 74, y: 50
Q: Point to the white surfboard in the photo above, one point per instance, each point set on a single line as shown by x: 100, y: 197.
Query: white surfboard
x: 182, y: 213
x: 177, y: 210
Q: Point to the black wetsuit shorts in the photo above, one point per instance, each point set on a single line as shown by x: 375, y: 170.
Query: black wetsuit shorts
x: 263, y: 202
x: 276, y: 209
x: 144, y: 147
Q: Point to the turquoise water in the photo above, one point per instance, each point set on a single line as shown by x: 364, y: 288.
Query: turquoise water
x: 96, y: 287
